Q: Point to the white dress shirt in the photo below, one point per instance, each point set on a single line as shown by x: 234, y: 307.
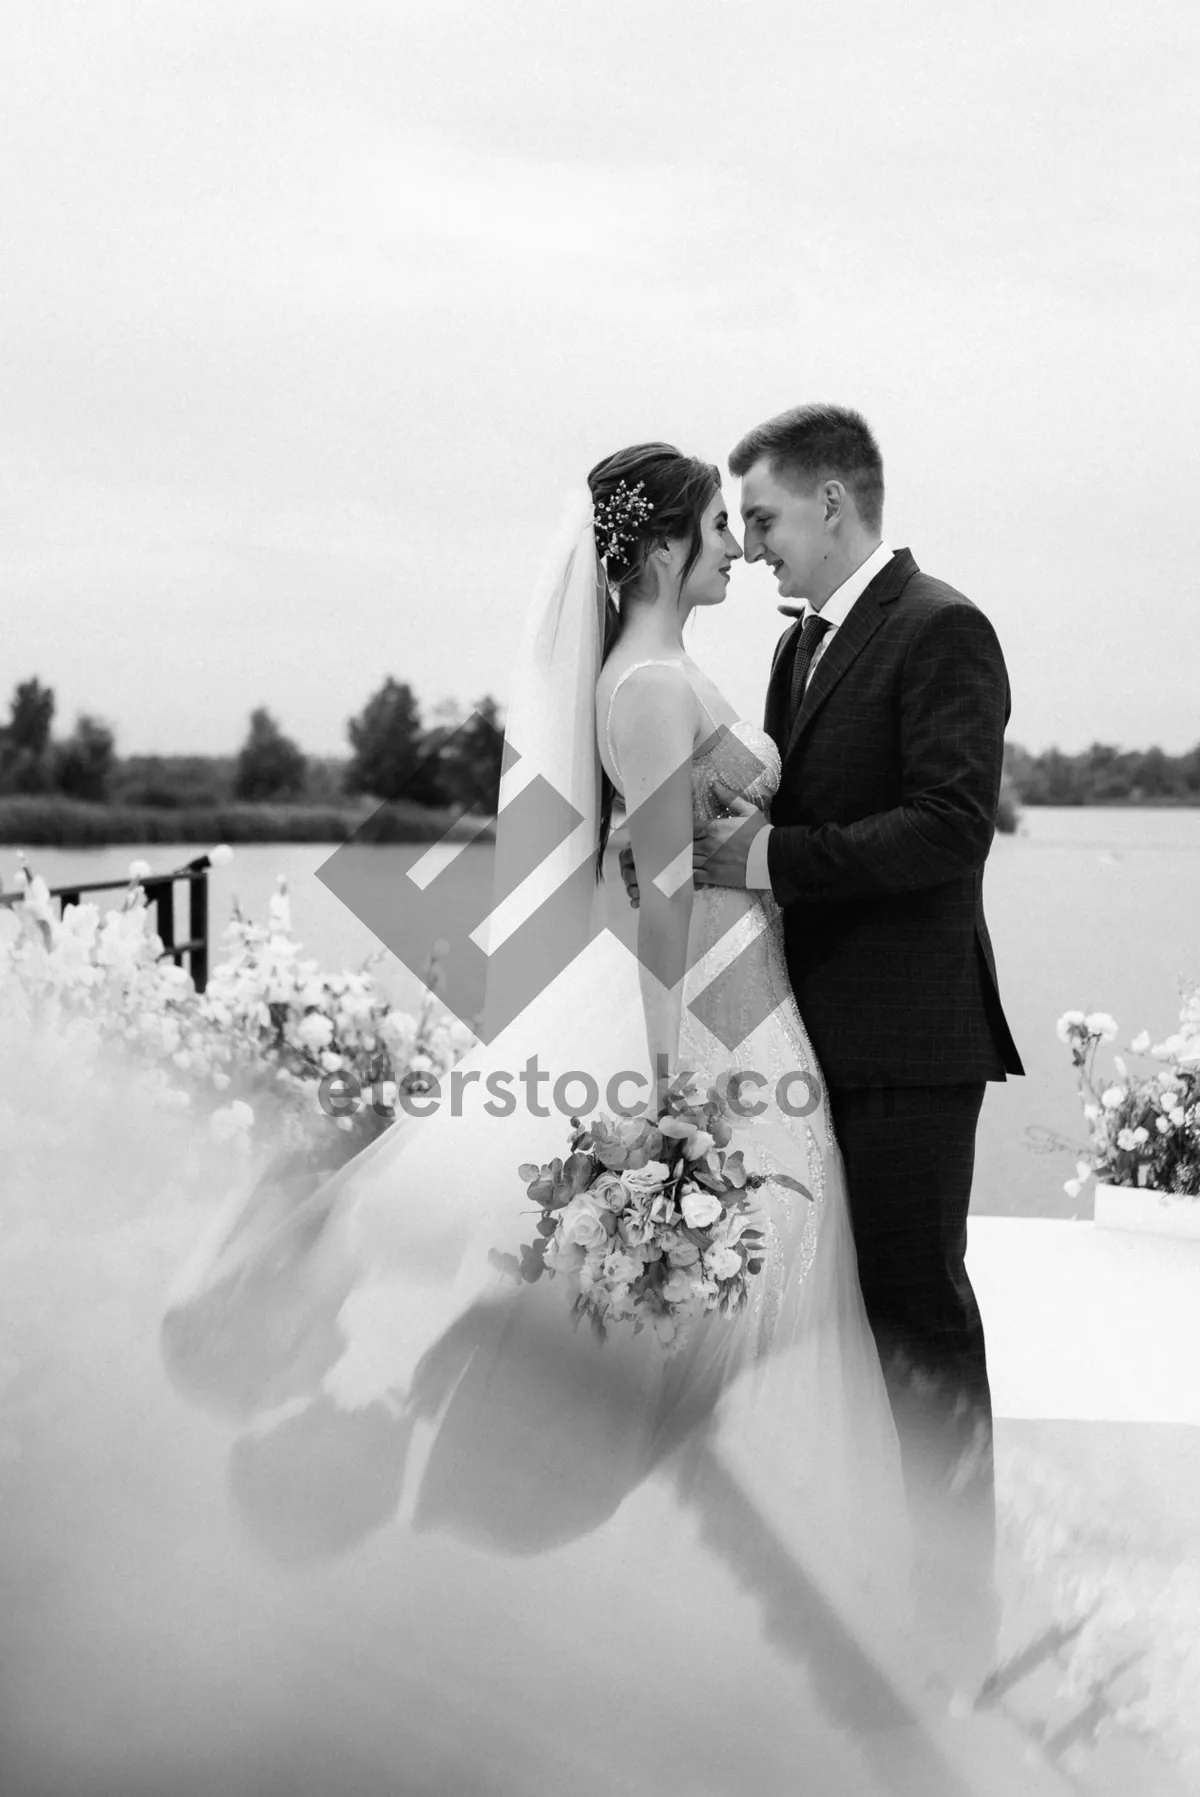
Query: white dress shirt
x: 835, y: 611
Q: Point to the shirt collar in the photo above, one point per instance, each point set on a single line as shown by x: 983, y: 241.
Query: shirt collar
x: 837, y: 607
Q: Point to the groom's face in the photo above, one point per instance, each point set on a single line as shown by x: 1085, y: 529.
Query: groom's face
x: 787, y: 529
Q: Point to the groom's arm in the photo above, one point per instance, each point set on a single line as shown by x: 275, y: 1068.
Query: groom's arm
x: 954, y: 705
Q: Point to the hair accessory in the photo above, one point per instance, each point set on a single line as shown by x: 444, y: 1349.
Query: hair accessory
x: 617, y: 518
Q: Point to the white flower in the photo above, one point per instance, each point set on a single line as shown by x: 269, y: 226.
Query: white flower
x: 1176, y: 1116
x: 700, y: 1209
x: 641, y: 1180
x: 231, y: 1120
x: 678, y: 1285
x: 1072, y: 1187
x: 1140, y: 1135
x: 220, y: 1080
x: 621, y: 1268
x: 1099, y: 1023
x: 1127, y: 1139
x: 697, y: 1145
x: 139, y: 870
x: 664, y: 1329
x: 1092, y: 1112
x: 313, y: 1031
x: 723, y: 1263
x: 1140, y: 1043
x: 1083, y: 1169
x: 1114, y: 1097
x: 1069, y: 1024
x: 1163, y: 1125
x: 221, y: 856
x: 582, y: 1223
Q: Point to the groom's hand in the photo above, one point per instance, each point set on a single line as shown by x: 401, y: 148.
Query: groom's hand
x: 721, y: 847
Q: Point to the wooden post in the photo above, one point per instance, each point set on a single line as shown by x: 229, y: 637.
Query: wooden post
x: 161, y: 894
x: 198, y: 930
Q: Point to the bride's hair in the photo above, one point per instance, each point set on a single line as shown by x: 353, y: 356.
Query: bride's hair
x: 670, y: 494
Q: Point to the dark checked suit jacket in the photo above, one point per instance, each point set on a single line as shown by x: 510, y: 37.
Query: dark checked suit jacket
x: 883, y: 821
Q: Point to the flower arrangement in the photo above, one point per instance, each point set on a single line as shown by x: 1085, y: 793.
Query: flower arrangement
x: 252, y: 1049
x: 649, y: 1222
x: 1145, y: 1129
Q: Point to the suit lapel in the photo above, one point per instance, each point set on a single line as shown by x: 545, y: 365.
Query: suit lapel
x: 867, y: 614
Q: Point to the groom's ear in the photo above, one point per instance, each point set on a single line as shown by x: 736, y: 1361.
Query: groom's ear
x: 833, y: 494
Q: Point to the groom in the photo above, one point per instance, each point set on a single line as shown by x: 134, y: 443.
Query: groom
x: 888, y: 700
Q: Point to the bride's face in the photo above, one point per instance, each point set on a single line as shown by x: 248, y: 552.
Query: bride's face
x: 708, y: 581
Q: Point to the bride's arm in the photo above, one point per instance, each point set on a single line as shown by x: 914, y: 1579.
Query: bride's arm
x: 653, y: 728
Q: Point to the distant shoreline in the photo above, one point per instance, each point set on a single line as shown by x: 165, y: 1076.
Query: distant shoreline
x: 38, y: 822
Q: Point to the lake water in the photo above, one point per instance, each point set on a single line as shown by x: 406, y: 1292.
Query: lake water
x: 1090, y: 909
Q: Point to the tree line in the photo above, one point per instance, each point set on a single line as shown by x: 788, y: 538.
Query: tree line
x: 1104, y: 775
x: 449, y: 760
x: 453, y: 760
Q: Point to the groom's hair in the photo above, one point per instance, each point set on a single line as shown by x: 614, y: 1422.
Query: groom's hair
x: 815, y: 443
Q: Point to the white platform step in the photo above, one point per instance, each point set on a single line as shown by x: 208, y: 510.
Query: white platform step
x: 1087, y: 1324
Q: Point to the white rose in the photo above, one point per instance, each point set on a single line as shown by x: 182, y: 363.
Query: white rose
x: 723, y: 1263
x: 562, y: 1257
x: 1141, y: 1135
x: 221, y: 856
x: 1140, y: 1043
x: 314, y: 1031
x: 1114, y: 1097
x: 609, y: 1188
x: 332, y: 1063
x: 1072, y: 1187
x: 1126, y: 1139
x: 1068, y: 1024
x: 678, y: 1284
x: 1163, y: 1125
x: 1102, y: 1025
x: 139, y: 870
x: 582, y: 1222
x: 697, y: 1145
x: 700, y: 1209
x: 1176, y: 1116
x: 640, y: 1180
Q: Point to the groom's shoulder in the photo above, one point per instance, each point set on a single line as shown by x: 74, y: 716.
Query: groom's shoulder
x: 925, y: 597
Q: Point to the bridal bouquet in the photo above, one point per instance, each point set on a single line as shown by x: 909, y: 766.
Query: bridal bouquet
x: 649, y: 1222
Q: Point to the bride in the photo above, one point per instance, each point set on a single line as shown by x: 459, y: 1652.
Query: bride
x: 399, y: 1394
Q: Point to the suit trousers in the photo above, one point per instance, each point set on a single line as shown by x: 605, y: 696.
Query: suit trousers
x: 909, y: 1154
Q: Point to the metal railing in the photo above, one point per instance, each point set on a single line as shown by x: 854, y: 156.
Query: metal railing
x: 160, y: 895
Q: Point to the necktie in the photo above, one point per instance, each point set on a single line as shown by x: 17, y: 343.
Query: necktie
x: 811, y: 632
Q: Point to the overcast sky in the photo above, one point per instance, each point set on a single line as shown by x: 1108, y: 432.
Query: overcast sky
x: 311, y: 313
